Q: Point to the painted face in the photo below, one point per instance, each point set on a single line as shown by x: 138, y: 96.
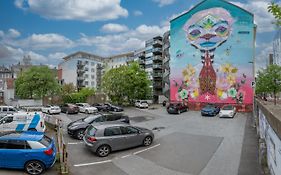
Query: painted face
x: 207, y: 30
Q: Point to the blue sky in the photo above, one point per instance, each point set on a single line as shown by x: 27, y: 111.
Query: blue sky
x: 48, y: 30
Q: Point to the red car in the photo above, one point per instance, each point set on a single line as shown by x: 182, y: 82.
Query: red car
x: 69, y: 108
x: 176, y: 108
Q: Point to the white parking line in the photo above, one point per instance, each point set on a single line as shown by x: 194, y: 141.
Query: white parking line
x: 74, y: 143
x: 126, y: 156
x: 93, y: 163
x: 146, y: 149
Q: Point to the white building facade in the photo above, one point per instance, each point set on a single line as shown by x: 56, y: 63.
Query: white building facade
x: 277, y: 48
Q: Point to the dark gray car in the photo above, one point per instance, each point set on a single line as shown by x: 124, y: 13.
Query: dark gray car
x: 103, y: 138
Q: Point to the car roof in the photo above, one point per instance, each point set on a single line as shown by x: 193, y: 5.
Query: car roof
x: 102, y: 125
x: 25, y: 135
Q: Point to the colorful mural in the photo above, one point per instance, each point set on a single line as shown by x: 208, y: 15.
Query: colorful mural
x: 211, y: 54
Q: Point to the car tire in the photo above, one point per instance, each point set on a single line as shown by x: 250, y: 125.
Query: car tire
x: 49, y: 112
x: 87, y: 112
x: 147, y: 141
x: 34, y: 167
x: 79, y: 134
x: 115, y: 110
x: 103, y: 151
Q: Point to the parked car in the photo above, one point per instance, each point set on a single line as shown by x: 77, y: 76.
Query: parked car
x: 210, y: 110
x: 103, y: 138
x: 227, y: 111
x: 176, y: 108
x: 113, y: 107
x: 86, y: 108
x: 141, y: 104
x: 101, y: 107
x: 4, y: 110
x: 32, y: 151
x: 50, y: 109
x: 70, y: 108
x: 23, y: 121
x: 78, y: 127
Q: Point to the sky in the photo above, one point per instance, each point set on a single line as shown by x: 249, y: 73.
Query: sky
x: 48, y: 30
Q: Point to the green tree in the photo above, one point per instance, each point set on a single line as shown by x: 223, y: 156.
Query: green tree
x: 269, y: 81
x: 275, y: 9
x: 68, y: 88
x: 78, y: 97
x: 36, y: 82
x: 126, y: 83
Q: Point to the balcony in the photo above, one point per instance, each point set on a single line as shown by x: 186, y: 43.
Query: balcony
x: 157, y: 66
x: 157, y: 85
x: 157, y: 43
x: 157, y: 50
x: 166, y: 59
x: 80, y: 64
x: 157, y: 75
x: 157, y: 58
x: 141, y: 62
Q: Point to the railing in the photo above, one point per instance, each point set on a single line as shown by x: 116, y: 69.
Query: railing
x: 155, y: 58
x: 157, y: 66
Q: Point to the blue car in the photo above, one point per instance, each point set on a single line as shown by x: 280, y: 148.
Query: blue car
x: 32, y: 151
x: 210, y: 110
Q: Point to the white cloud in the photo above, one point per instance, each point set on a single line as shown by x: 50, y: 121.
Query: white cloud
x: 138, y: 13
x: 263, y: 51
x: 263, y: 18
x: 43, y: 41
x: 56, y: 56
x: 164, y: 2
x: 83, y: 10
x: 13, y: 33
x: 114, y: 28
x: 117, y: 43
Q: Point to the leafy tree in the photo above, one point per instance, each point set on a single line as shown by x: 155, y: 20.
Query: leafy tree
x: 78, y: 97
x: 275, y: 9
x: 36, y: 82
x: 68, y: 88
x: 126, y: 83
x: 269, y: 80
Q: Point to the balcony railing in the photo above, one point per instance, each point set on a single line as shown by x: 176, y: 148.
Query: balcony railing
x: 157, y: 58
x: 157, y: 75
x: 157, y: 50
x: 157, y: 66
x: 157, y: 42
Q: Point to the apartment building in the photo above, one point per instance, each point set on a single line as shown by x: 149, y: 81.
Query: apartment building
x: 154, y: 65
x: 82, y: 70
x: 277, y: 48
x: 166, y: 64
x: 119, y: 60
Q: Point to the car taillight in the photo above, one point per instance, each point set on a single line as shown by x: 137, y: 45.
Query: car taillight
x: 49, y: 151
x: 92, y: 139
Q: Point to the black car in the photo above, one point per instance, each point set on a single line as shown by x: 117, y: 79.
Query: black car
x: 77, y: 128
x: 114, y: 108
x: 101, y: 107
x: 210, y: 110
x: 176, y: 108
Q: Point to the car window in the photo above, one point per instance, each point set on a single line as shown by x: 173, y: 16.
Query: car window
x: 12, y: 109
x: 112, y: 131
x: 91, y: 130
x: 129, y: 130
x: 4, y: 109
x: 46, y: 141
x: 7, y: 120
x: 3, y: 144
x: 100, y: 119
x: 15, y: 144
x: 89, y: 119
x: 35, y: 145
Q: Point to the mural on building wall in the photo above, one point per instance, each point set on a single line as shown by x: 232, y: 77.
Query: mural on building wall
x: 211, y: 51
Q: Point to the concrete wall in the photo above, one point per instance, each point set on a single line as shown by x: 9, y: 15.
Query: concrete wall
x: 269, y: 132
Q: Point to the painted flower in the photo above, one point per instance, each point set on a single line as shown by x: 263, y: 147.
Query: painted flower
x: 232, y: 92
x: 219, y: 92
x: 188, y: 71
x: 183, y: 94
x: 223, y: 96
x: 227, y: 68
x: 231, y: 79
x: 194, y: 94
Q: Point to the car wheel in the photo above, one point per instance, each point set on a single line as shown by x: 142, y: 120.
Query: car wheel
x: 115, y: 110
x: 87, y: 112
x: 49, y: 112
x: 80, y: 134
x: 66, y: 112
x: 32, y: 129
x: 103, y: 151
x: 147, y: 141
x: 34, y: 167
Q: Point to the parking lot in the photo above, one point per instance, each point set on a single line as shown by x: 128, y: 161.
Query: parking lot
x: 184, y: 144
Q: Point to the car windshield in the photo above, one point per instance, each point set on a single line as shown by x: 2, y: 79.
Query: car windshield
x: 144, y: 102
x: 209, y: 106
x: 229, y: 107
x: 90, y: 118
x: 87, y: 105
x: 91, y: 130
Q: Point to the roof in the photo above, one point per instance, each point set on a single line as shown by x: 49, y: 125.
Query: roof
x: 26, y: 135
x: 83, y: 55
x: 204, y: 2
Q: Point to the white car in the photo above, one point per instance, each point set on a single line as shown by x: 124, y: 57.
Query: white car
x: 86, y: 108
x: 50, y: 109
x: 227, y: 111
x: 141, y: 104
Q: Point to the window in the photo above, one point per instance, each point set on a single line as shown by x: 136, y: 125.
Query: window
x: 91, y: 130
x: 86, y: 82
x: 92, y: 70
x: 4, y: 109
x: 100, y: 119
x: 35, y: 145
x: 112, y: 131
x: 93, y: 76
x: 93, y: 83
x: 16, y: 144
x: 92, y: 63
x: 86, y: 76
x: 3, y: 144
x: 129, y: 130
x: 7, y: 120
x: 12, y: 109
x: 113, y: 117
x: 46, y: 141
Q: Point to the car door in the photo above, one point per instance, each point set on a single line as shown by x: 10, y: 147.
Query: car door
x: 3, y: 153
x: 15, y: 154
x: 115, y: 138
x: 132, y: 137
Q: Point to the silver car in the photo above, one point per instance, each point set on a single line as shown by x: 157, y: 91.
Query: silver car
x: 103, y: 138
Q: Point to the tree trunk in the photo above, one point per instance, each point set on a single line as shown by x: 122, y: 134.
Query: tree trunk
x: 274, y: 97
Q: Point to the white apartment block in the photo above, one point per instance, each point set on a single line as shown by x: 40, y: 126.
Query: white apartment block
x: 277, y: 48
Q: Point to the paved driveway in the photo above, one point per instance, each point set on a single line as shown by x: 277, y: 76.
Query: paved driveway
x: 184, y: 144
